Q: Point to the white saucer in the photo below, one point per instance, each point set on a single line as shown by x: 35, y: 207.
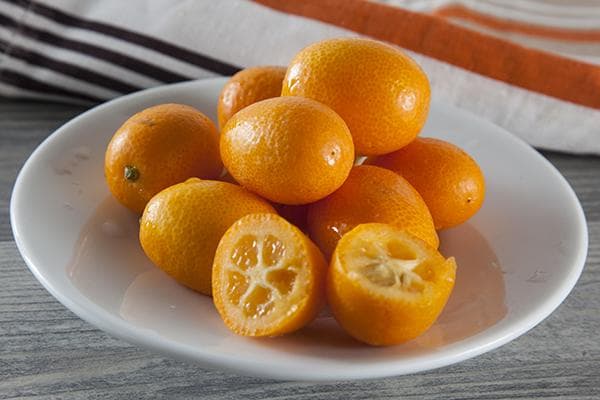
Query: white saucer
x: 518, y: 258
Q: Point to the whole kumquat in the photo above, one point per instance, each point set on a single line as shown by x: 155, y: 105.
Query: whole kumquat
x: 247, y: 87
x: 370, y: 194
x: 159, y: 147
x: 381, y: 93
x: 182, y: 225
x: 448, y: 179
x: 290, y: 150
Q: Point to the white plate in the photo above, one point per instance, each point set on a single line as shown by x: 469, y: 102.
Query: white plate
x: 518, y: 257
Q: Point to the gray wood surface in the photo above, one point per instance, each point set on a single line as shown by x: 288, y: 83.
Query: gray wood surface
x: 46, y: 352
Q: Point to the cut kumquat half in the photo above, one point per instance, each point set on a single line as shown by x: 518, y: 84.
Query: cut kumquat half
x: 268, y: 277
x: 386, y: 286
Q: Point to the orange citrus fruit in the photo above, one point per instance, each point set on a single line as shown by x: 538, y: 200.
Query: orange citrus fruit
x: 448, y: 179
x: 182, y: 225
x: 268, y: 277
x: 247, y: 87
x: 290, y: 150
x: 386, y: 286
x: 381, y: 93
x: 159, y: 147
x: 370, y: 194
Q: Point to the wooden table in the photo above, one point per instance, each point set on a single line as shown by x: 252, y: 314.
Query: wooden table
x: 48, y: 352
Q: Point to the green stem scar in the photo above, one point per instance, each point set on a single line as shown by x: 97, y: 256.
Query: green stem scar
x: 131, y: 173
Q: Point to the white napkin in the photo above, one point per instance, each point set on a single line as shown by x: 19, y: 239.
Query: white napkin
x: 91, y: 51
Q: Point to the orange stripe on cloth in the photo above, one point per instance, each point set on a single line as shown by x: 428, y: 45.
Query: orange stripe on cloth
x: 531, y: 69
x: 500, y: 24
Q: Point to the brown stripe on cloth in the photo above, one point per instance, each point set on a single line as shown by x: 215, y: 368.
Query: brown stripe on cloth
x: 34, y: 58
x: 531, y: 69
x: 141, y: 67
x: 17, y: 79
x: 501, y: 24
x: 170, y: 49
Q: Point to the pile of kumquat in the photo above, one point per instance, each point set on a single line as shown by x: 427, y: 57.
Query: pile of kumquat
x: 272, y: 215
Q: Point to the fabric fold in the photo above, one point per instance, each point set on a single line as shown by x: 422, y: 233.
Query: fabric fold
x: 532, y: 73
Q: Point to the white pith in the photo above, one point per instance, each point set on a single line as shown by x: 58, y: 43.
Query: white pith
x: 257, y: 275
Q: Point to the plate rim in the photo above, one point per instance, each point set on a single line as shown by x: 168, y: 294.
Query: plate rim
x: 90, y: 312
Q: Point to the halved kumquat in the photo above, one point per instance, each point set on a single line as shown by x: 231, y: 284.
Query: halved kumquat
x: 386, y: 286
x: 268, y: 277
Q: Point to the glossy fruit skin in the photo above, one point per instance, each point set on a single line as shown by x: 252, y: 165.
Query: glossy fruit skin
x: 448, y: 179
x: 181, y: 227
x: 159, y: 147
x: 370, y: 194
x: 247, y: 87
x: 290, y: 150
x: 381, y: 93
x: 384, y: 316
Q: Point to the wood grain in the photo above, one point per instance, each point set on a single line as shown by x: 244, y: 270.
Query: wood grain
x: 46, y: 352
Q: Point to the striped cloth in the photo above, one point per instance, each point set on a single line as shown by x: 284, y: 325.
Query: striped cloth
x: 531, y: 66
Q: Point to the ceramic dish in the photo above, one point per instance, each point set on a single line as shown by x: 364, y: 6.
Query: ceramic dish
x: 518, y: 258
